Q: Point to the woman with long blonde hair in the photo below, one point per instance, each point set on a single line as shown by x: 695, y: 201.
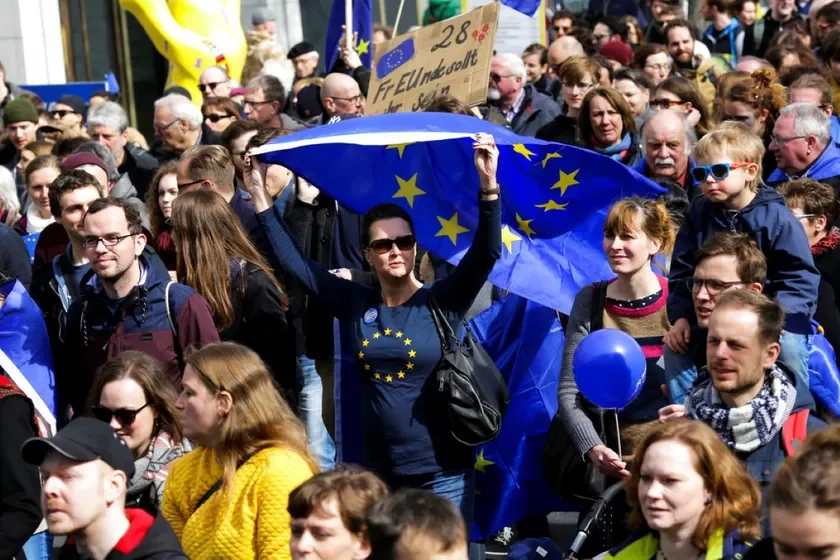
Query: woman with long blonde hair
x: 689, y: 497
x: 218, y: 260
x: 228, y: 498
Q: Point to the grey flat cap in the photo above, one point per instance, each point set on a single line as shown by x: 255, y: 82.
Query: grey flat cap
x: 262, y: 15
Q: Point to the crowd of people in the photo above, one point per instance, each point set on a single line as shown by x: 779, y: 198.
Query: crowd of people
x: 188, y: 290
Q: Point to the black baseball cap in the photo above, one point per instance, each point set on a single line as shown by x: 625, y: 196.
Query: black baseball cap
x: 74, y: 101
x: 83, y: 439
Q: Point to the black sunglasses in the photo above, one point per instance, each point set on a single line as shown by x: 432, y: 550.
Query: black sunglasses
x: 214, y: 118
x: 382, y: 246
x: 124, y: 416
x: 60, y: 114
x: 210, y: 85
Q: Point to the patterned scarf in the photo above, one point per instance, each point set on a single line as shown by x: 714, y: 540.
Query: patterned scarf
x: 153, y: 467
x: 749, y: 427
x: 616, y: 152
x: 826, y: 244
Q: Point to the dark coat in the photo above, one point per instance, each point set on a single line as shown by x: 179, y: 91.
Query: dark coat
x: 537, y: 110
x: 140, y: 166
x: 14, y: 257
x: 563, y: 129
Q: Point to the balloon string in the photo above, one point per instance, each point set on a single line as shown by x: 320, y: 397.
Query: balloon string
x: 618, y: 433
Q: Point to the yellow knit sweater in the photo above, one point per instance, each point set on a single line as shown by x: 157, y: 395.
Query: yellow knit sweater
x: 254, y: 524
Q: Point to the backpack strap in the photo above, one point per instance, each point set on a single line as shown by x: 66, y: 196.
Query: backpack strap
x: 795, y: 431
x: 169, y: 309
x: 179, y: 353
x: 599, y: 297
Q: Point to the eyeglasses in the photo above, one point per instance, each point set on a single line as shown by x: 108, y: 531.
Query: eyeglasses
x: 182, y: 186
x: 246, y: 103
x: 60, y: 114
x: 161, y: 128
x: 718, y: 171
x: 665, y: 66
x: 382, y: 246
x: 598, y: 37
x: 209, y: 86
x: 713, y: 287
x: 496, y: 78
x: 564, y: 30
x: 781, y: 141
x: 356, y: 99
x: 664, y: 103
x: 125, y: 416
x: 110, y: 240
x: 582, y: 86
x: 800, y: 216
x: 214, y: 118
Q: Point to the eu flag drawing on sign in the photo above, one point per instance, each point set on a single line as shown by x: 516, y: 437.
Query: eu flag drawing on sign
x: 527, y: 7
x: 395, y: 58
x: 554, y: 197
x: 362, y: 24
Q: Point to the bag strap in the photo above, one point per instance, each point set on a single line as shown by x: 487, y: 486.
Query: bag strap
x: 218, y: 484
x: 169, y: 310
x: 444, y: 330
x: 599, y: 298
x: 795, y: 431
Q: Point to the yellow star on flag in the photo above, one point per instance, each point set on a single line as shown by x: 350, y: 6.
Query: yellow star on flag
x: 408, y: 342
x: 361, y: 355
x: 363, y: 47
x: 399, y: 147
x: 401, y: 374
x: 408, y: 189
x: 551, y: 205
x: 377, y: 375
x: 450, y: 228
x: 549, y: 157
x: 525, y: 226
x: 566, y: 180
x: 376, y: 335
x: 389, y: 378
x: 409, y: 365
x: 365, y: 342
x: 508, y: 238
x: 412, y: 353
x: 481, y: 463
x: 387, y: 332
x: 399, y: 334
x: 523, y: 150
x: 367, y: 367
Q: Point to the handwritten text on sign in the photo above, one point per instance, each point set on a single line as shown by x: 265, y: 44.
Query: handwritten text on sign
x: 450, y: 57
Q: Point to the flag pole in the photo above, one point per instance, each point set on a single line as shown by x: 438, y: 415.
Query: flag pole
x: 383, y: 13
x: 399, y: 15
x: 348, y: 23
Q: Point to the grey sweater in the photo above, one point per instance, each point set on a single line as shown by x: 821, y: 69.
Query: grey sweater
x: 583, y: 433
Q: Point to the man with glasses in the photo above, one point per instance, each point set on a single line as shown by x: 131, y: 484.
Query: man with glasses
x: 214, y: 82
x: 525, y: 109
x: 126, y: 303
x: 68, y: 114
x: 726, y: 261
x: 563, y: 23
x: 178, y: 127
x: 340, y: 95
x: 803, y: 146
x: 305, y: 59
x: 265, y: 98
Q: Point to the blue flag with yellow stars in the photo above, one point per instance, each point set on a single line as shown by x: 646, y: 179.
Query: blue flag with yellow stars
x: 554, y: 197
x: 362, y: 24
x: 525, y: 340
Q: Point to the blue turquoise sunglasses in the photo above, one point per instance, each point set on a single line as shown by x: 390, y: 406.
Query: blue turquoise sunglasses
x: 718, y: 171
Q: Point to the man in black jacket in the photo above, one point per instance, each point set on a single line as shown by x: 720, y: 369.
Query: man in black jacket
x: 85, y: 470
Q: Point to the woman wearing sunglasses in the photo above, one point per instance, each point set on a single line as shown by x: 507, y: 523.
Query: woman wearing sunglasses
x: 681, y: 94
x: 133, y: 394
x: 607, y: 126
x: 756, y: 102
x: 217, y: 259
x: 219, y: 113
x: 393, y: 340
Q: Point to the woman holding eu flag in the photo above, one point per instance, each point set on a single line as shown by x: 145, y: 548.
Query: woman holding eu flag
x: 394, y: 341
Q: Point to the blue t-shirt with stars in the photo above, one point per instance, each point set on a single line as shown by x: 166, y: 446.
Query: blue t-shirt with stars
x: 397, y: 348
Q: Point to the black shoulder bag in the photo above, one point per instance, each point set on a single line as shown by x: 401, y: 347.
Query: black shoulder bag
x: 218, y: 484
x: 469, y: 384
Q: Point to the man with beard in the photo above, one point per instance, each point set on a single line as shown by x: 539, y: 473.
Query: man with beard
x: 668, y: 140
x: 702, y: 71
x: 525, y: 109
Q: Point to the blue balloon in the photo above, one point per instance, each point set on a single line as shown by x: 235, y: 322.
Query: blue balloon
x: 609, y: 368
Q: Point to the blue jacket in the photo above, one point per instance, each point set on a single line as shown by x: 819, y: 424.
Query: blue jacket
x: 537, y: 110
x: 644, y: 545
x: 792, y: 277
x: 826, y: 167
x: 96, y: 331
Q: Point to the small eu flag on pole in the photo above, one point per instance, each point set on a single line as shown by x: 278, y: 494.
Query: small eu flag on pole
x: 362, y: 24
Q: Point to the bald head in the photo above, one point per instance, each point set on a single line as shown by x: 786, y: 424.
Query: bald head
x: 214, y: 82
x: 668, y: 140
x: 340, y: 94
x: 563, y: 48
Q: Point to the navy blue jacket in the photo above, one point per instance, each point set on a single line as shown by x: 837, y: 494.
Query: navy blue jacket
x: 825, y: 169
x: 96, y: 332
x: 792, y: 277
x: 537, y: 110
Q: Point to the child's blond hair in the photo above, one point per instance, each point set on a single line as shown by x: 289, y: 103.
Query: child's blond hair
x: 733, y: 140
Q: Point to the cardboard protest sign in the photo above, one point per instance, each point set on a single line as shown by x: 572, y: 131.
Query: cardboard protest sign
x: 449, y: 57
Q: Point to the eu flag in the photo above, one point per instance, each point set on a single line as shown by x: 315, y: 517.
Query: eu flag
x: 362, y: 24
x: 554, y: 197
x: 395, y: 58
x: 527, y: 7
x: 525, y: 340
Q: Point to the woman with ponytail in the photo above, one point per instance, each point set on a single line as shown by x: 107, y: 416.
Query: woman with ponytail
x: 756, y: 102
